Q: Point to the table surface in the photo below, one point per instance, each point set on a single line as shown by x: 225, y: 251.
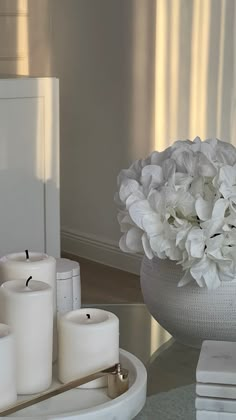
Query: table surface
x: 169, y: 363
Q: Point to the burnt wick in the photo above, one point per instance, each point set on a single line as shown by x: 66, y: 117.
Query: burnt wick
x: 88, y: 316
x: 27, y: 254
x: 27, y: 282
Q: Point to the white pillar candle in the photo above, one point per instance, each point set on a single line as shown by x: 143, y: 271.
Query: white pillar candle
x: 29, y: 311
x: 88, y: 341
x: 76, y: 292
x: 41, y: 267
x: 68, y: 269
x: 76, y: 285
x: 7, y: 367
x: 64, y: 295
x: 64, y: 286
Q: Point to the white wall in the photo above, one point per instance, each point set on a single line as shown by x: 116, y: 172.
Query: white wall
x: 134, y: 76
x: 93, y: 50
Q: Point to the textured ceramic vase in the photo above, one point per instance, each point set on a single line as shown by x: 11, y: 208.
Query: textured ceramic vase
x: 190, y: 314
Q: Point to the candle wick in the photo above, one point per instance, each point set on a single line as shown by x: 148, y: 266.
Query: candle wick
x: 27, y: 254
x: 27, y: 282
x: 88, y: 316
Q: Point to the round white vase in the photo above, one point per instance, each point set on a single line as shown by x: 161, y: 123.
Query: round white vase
x: 190, y: 314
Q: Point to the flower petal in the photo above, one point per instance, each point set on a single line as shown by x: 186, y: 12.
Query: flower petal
x: 219, y: 208
x: 138, y: 210
x: 187, y: 278
x: 227, y: 175
x: 203, y: 208
x: 125, y: 221
x: 136, y: 196
x: 211, y: 277
x: 195, y: 243
x: 204, y: 166
x: 133, y: 239
x: 152, y: 174
x: 205, y: 273
x: 156, y: 243
x: 147, y: 247
x: 127, y: 187
x: 152, y: 224
x: 122, y: 244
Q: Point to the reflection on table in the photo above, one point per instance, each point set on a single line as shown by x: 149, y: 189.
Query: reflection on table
x: 169, y: 363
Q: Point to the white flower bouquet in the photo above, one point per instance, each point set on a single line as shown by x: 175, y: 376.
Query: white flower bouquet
x: 181, y: 204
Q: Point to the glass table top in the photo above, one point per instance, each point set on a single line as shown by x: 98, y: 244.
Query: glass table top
x: 169, y: 363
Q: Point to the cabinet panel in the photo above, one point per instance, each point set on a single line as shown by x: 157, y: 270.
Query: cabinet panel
x: 29, y: 174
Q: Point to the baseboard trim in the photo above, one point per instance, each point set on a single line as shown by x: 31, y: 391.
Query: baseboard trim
x: 96, y: 249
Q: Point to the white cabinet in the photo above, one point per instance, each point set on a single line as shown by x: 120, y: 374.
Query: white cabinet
x: 29, y: 165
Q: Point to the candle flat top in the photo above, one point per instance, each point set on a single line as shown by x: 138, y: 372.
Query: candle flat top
x: 64, y: 265
x: 19, y: 286
x: 89, y: 316
x: 21, y: 257
x: 84, y: 320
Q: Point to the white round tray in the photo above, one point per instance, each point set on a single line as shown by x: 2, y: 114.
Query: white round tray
x: 93, y: 404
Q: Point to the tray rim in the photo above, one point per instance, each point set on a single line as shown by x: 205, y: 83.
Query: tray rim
x: 140, y: 382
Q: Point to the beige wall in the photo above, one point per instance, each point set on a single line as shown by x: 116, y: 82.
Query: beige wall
x: 134, y: 75
x: 93, y: 60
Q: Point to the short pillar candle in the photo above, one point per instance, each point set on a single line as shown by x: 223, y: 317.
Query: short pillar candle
x: 27, y: 307
x: 64, y: 286
x: 40, y: 266
x: 7, y: 367
x: 68, y: 270
x: 76, y: 285
x: 88, y: 341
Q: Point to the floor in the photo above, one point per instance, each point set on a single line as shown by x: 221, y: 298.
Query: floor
x: 103, y: 284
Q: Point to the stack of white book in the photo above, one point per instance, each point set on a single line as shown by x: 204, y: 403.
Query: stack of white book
x: 216, y: 381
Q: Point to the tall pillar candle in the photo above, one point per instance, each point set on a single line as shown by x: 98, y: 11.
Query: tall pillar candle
x: 41, y: 267
x: 7, y: 367
x: 88, y: 341
x: 27, y: 307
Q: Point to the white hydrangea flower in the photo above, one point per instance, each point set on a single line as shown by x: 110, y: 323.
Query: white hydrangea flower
x: 181, y: 204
